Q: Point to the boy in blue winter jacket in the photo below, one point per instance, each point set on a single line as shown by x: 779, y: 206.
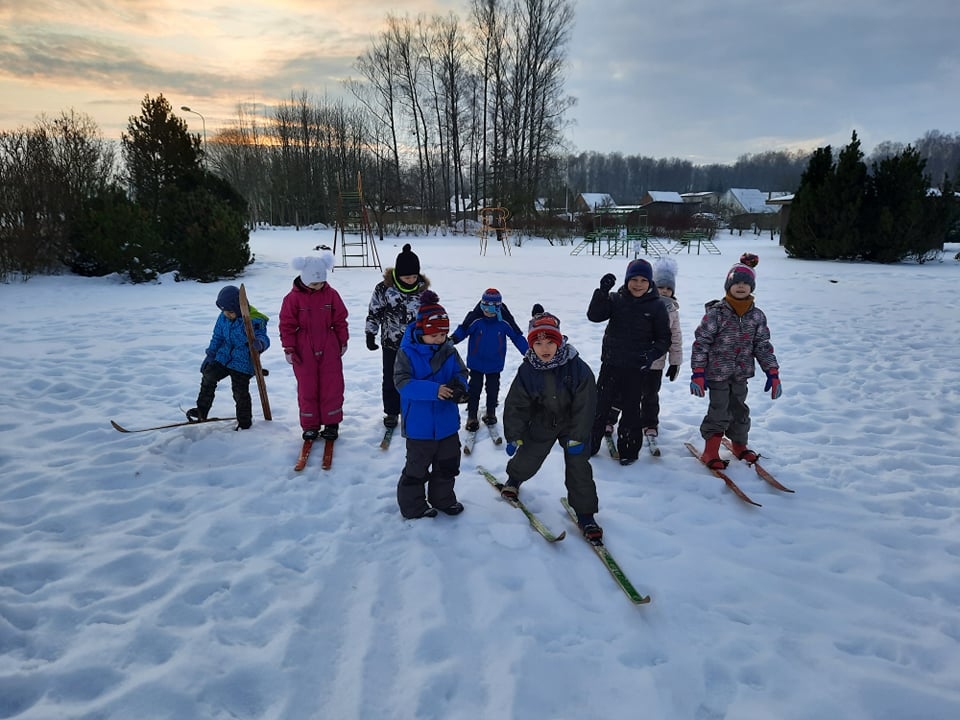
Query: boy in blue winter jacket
x: 488, y: 326
x: 229, y: 354
x: 431, y: 380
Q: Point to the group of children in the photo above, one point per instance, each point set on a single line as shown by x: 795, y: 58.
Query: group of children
x: 554, y: 397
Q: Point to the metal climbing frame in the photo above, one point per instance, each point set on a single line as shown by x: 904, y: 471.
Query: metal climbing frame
x: 353, y: 230
x: 493, y: 220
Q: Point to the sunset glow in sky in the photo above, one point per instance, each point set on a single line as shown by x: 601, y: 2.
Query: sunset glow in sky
x: 700, y: 80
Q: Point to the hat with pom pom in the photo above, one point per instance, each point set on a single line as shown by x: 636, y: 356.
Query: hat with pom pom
x: 407, y: 263
x: 544, y: 327
x: 313, y: 268
x: 741, y: 273
x: 432, y: 317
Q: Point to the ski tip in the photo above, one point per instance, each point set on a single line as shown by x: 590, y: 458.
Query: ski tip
x: 118, y: 427
x: 561, y: 536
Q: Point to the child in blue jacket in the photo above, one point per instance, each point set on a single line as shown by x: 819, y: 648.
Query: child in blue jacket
x: 487, y: 326
x: 229, y: 354
x: 431, y: 380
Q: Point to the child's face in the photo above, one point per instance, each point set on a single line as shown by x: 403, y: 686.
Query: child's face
x: 229, y: 315
x: 740, y: 290
x: 438, y: 338
x: 545, y: 349
x: 317, y: 285
x: 666, y: 292
x: 408, y: 279
x: 638, y: 285
x: 488, y: 313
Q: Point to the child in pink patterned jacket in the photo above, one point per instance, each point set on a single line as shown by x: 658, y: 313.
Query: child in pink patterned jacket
x: 732, y: 336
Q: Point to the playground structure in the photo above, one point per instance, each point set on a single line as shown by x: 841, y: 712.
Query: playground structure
x: 353, y: 230
x: 493, y: 220
x: 615, y: 237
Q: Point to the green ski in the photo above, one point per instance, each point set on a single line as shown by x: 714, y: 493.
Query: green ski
x: 534, y: 520
x: 612, y: 566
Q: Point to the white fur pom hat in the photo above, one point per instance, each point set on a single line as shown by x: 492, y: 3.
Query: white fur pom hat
x: 313, y: 269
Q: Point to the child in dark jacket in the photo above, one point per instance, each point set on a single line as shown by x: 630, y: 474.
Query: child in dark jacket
x: 487, y: 326
x: 393, y: 306
x: 732, y: 334
x: 229, y: 354
x: 552, y: 400
x: 431, y: 379
x: 637, y: 334
x: 313, y: 330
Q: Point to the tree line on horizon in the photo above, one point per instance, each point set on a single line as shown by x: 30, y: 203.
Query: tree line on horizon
x: 448, y: 115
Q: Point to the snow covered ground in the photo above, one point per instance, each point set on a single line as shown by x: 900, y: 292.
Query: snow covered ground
x: 191, y: 573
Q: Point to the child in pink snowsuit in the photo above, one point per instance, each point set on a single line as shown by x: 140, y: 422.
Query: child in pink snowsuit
x: 313, y: 331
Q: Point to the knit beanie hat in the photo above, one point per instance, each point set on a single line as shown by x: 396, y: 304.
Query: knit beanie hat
x: 639, y: 267
x: 431, y: 317
x: 545, y: 326
x: 229, y: 299
x: 665, y: 273
x: 313, y: 269
x: 741, y: 273
x: 407, y: 263
x: 491, y: 296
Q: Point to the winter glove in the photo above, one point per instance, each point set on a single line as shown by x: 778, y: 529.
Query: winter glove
x: 513, y: 446
x: 372, y: 342
x: 607, y: 282
x: 698, y: 383
x: 773, y: 383
x: 672, y: 372
x: 288, y: 354
x: 204, y: 365
x: 574, y: 447
x: 259, y: 345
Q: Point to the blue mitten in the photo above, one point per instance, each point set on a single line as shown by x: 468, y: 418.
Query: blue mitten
x: 574, y: 447
x: 512, y: 447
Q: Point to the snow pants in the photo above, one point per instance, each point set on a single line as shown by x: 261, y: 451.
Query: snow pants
x: 577, y: 473
x: 728, y: 413
x: 428, y: 475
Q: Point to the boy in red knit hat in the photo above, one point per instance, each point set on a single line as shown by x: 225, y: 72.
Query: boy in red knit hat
x: 431, y: 379
x: 551, y: 401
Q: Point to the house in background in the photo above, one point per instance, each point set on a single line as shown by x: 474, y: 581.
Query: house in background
x: 737, y: 201
x: 707, y: 201
x: 592, y: 202
x: 664, y: 208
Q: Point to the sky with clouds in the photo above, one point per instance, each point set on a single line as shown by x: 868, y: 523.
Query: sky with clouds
x: 702, y: 80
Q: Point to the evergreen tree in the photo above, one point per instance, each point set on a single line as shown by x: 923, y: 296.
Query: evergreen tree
x: 901, y: 216
x: 845, y: 199
x: 157, y: 151
x: 809, y: 224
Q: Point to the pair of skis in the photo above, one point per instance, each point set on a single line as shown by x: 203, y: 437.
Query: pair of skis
x: 472, y: 438
x: 764, y: 474
x: 599, y: 548
x: 325, y: 463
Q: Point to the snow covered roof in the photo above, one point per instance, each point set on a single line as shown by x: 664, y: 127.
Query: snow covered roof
x: 597, y: 200
x: 751, y: 200
x: 664, y: 196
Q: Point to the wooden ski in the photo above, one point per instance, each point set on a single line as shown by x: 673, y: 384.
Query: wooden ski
x: 254, y: 355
